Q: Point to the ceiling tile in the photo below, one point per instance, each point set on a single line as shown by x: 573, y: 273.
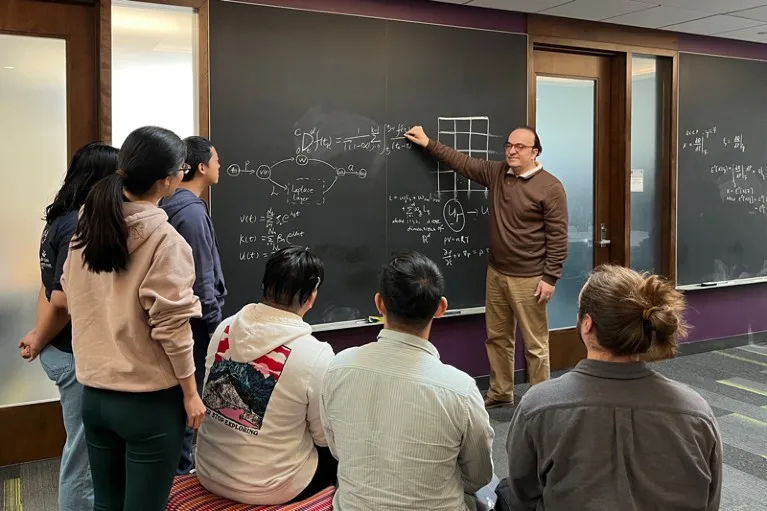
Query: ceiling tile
x: 757, y: 33
x: 758, y: 13
x: 519, y: 5
x: 657, y: 17
x: 598, y: 9
x: 713, y: 6
x: 716, y: 24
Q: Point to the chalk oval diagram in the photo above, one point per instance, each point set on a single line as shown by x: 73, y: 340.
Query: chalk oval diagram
x: 454, y: 216
x: 233, y: 170
x: 340, y: 172
x: 362, y: 173
x: 264, y: 172
x: 302, y: 159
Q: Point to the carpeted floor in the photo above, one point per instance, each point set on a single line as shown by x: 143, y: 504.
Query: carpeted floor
x: 734, y: 381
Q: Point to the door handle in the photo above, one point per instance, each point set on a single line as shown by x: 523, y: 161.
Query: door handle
x: 603, y: 241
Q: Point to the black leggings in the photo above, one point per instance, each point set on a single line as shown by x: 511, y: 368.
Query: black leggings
x: 324, y: 476
x: 134, y: 443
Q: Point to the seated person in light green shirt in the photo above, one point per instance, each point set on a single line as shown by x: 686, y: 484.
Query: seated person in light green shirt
x: 409, y: 431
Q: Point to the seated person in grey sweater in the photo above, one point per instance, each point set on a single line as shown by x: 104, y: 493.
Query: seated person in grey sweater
x: 613, y: 433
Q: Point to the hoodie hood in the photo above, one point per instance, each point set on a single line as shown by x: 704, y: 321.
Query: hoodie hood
x: 142, y: 219
x: 181, y: 199
x: 258, y: 329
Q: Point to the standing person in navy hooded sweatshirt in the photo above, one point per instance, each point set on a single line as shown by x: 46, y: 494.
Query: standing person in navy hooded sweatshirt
x: 188, y: 213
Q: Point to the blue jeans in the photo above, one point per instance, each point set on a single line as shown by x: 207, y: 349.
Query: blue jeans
x: 75, y: 485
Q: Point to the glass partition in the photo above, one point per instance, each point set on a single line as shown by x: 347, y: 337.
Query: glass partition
x: 565, y: 122
x: 154, y: 68
x: 33, y: 142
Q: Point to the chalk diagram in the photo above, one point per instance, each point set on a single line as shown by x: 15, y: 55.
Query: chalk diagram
x: 471, y: 136
x: 301, y: 190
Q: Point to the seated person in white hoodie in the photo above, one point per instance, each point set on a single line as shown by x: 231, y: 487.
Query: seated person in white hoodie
x: 263, y: 442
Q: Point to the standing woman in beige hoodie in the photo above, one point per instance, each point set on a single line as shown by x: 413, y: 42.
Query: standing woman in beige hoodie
x: 128, y: 281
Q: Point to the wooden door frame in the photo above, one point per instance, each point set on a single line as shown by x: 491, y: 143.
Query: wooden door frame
x: 624, y: 41
x: 105, y: 63
x: 604, y: 153
x: 565, y: 349
x: 54, y: 20
x: 620, y: 43
x: 201, y: 7
x: 34, y: 431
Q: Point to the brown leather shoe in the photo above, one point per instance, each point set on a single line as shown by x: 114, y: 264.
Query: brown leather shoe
x: 492, y: 403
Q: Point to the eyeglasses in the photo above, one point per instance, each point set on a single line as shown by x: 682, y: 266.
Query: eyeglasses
x: 185, y: 168
x: 519, y: 147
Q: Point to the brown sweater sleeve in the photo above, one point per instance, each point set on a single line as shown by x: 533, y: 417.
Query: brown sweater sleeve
x: 555, y: 225
x: 166, y: 294
x: 475, y: 169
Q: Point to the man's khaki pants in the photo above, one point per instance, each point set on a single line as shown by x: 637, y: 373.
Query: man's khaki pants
x: 511, y: 301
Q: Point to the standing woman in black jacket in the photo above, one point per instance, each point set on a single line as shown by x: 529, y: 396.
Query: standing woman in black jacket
x: 51, y: 339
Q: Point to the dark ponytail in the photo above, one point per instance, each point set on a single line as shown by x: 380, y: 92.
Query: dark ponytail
x: 101, y: 230
x: 148, y: 155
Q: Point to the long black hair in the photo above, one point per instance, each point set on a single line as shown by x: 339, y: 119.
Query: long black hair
x: 90, y: 164
x: 148, y: 155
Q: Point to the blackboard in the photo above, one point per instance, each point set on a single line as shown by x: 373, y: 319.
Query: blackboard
x: 722, y: 171
x: 308, y: 114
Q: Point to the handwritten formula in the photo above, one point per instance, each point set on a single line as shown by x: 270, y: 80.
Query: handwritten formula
x: 437, y: 221
x: 272, y: 232
x: 743, y: 183
x: 377, y: 139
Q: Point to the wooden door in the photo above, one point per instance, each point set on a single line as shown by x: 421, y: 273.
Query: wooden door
x: 49, y: 59
x: 572, y: 109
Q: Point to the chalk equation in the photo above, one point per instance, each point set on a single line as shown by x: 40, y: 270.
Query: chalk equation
x: 437, y: 221
x: 747, y: 196
x: 455, y: 215
x: 274, y: 232
x: 739, y: 172
x: 700, y: 141
x: 735, y: 142
x: 696, y: 140
x: 301, y: 190
x: 742, y: 184
x: 382, y: 140
x: 450, y: 256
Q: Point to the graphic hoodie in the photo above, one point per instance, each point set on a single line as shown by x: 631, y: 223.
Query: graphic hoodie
x: 264, y: 374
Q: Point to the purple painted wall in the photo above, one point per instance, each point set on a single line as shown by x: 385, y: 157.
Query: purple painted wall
x: 720, y: 46
x: 413, y: 10
x: 713, y: 313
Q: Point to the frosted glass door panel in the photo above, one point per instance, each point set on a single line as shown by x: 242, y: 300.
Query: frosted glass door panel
x: 33, y: 142
x: 565, y: 122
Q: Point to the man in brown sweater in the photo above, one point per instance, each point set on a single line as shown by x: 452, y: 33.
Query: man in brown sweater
x: 528, y: 247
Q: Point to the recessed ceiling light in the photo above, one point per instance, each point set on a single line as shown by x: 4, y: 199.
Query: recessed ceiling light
x: 8, y: 67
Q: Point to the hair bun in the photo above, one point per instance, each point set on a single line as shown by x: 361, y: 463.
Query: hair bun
x: 646, y: 313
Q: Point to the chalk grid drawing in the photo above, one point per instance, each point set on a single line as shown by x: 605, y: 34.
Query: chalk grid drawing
x: 469, y: 135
